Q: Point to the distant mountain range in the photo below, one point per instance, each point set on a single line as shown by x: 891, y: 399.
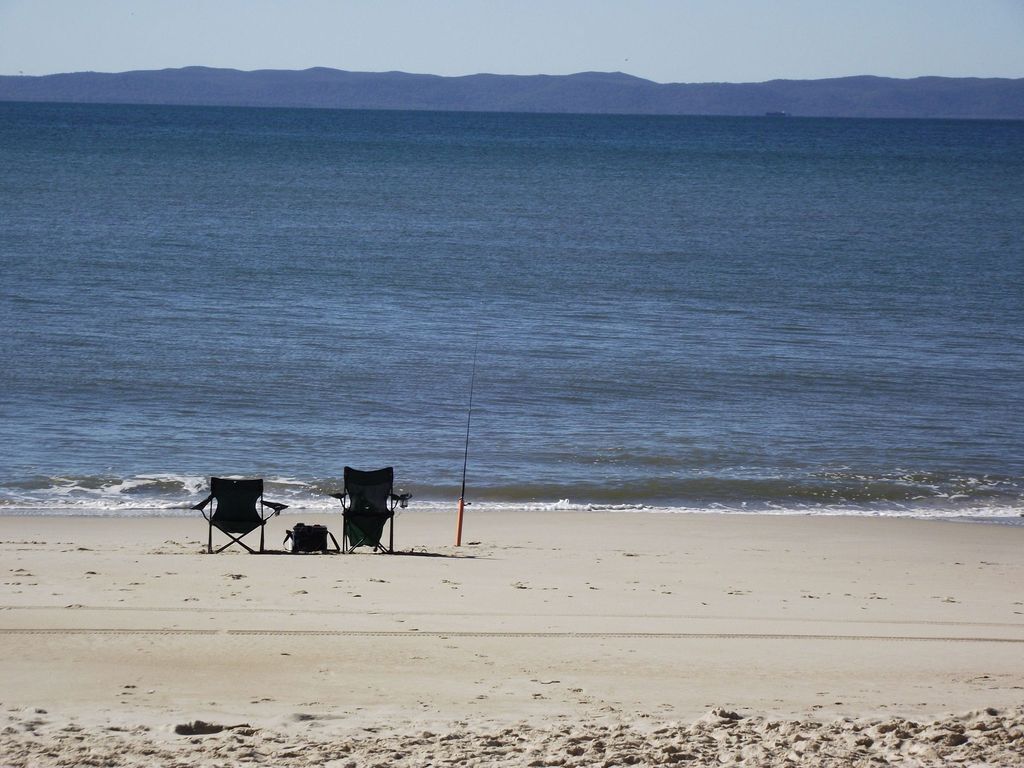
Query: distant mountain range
x: 586, y: 92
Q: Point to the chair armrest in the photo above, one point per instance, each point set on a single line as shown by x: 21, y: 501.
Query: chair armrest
x: 277, y: 507
x: 399, y: 499
x: 201, y: 506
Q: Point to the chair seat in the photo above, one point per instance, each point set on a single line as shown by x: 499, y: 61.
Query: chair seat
x: 236, y: 526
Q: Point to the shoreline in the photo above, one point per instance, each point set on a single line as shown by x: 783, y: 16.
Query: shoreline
x: 1011, y: 515
x: 541, y: 623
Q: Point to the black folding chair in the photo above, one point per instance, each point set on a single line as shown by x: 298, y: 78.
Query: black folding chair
x: 368, y: 503
x: 238, y: 509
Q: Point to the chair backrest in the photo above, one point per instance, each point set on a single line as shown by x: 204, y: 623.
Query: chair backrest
x: 369, y: 492
x: 236, y: 502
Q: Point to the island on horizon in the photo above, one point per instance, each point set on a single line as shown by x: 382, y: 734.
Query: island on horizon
x: 862, y: 96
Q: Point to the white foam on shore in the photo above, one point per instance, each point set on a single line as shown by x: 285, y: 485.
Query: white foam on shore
x: 116, y: 501
x: 171, y: 495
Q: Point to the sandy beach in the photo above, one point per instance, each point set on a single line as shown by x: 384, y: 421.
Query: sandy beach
x: 564, y: 638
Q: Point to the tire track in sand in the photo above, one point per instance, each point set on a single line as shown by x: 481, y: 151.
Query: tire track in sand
x: 506, y: 614
x: 437, y: 634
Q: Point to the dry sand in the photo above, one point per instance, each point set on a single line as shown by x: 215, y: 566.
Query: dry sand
x: 549, y: 639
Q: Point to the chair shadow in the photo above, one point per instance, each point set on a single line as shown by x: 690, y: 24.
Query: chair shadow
x: 414, y: 553
x: 396, y: 553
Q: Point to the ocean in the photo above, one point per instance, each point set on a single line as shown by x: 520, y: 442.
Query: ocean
x: 767, y: 315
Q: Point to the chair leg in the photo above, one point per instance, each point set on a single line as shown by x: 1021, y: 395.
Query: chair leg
x: 209, y: 541
x: 234, y: 540
x: 237, y: 541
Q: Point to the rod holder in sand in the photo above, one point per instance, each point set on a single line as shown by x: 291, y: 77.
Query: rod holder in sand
x: 458, y: 524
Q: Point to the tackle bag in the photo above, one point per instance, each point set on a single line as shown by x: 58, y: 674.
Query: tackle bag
x: 309, y: 538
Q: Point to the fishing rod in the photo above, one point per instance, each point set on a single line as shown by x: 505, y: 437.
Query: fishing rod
x: 465, y: 458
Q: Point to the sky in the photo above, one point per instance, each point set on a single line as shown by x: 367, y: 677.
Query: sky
x: 661, y: 40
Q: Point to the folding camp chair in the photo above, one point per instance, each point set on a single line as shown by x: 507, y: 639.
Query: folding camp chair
x: 238, y: 509
x: 368, y: 503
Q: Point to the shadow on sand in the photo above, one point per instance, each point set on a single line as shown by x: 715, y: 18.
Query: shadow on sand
x: 396, y: 553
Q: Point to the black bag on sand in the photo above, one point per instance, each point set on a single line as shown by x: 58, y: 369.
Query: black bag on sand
x: 309, y: 538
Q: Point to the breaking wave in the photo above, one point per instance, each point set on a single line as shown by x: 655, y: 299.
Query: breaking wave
x: 838, y: 492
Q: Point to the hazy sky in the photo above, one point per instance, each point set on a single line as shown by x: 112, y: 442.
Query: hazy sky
x: 663, y: 40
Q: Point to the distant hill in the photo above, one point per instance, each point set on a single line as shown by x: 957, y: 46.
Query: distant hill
x: 586, y: 92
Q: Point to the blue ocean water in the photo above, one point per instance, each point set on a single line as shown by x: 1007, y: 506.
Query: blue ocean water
x: 681, y: 313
